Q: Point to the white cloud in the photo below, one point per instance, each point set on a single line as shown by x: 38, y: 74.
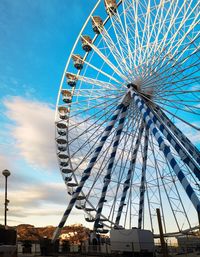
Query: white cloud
x: 38, y: 204
x: 33, y: 131
x: 28, y: 150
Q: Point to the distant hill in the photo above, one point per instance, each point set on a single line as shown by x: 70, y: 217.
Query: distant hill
x: 75, y: 233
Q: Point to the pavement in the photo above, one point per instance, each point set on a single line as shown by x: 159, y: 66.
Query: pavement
x: 84, y: 255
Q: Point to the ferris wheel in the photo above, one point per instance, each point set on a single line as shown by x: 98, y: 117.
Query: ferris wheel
x: 127, y: 117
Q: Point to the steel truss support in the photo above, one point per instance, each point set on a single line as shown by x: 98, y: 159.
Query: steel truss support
x: 151, y: 123
x: 127, y: 182
x: 181, y: 137
x: 143, y: 178
x: 180, y: 149
x: 107, y: 177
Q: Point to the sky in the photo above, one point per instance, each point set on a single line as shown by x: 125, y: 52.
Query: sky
x: 36, y: 40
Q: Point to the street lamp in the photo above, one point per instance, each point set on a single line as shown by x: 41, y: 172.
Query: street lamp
x: 6, y: 174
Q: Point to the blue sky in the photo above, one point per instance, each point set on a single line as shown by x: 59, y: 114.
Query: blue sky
x: 36, y: 39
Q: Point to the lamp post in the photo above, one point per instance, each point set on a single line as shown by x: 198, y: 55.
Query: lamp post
x: 6, y: 174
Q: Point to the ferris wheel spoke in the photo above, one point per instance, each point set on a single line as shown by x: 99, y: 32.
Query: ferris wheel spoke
x: 180, y: 200
x: 99, y: 83
x: 174, y: 106
x: 97, y: 94
x: 100, y: 71
x: 123, y: 30
x: 167, y: 69
x: 144, y: 37
x: 174, y: 65
x: 175, y: 80
x: 180, y: 52
x: 94, y: 136
x: 182, y: 81
x: 136, y: 38
x: 170, y: 42
x: 175, y: 48
x: 114, y: 50
x: 158, y: 182
x: 119, y: 34
x: 173, y: 19
x: 107, y: 61
x: 166, y: 190
x: 192, y: 125
x: 154, y: 68
x: 95, y: 99
x: 177, y: 92
x: 185, y: 107
x: 130, y: 55
x: 156, y: 30
x: 81, y: 111
x: 109, y: 104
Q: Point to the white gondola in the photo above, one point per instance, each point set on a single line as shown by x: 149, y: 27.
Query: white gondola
x: 70, y: 191
x: 61, y: 128
x: 78, y: 61
x: 100, y: 225
x: 71, y: 187
x: 67, y: 179
x: 64, y: 163
x: 89, y: 218
x: 61, y: 144
x: 67, y: 170
x: 111, y: 6
x: 103, y: 219
x: 102, y: 231
x: 71, y: 79
x: 86, y: 41
x: 81, y: 197
x: 97, y: 24
x: 72, y: 184
x: 79, y: 205
x: 66, y: 96
x: 62, y: 156
x: 64, y: 160
x: 63, y: 112
x: 89, y: 209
